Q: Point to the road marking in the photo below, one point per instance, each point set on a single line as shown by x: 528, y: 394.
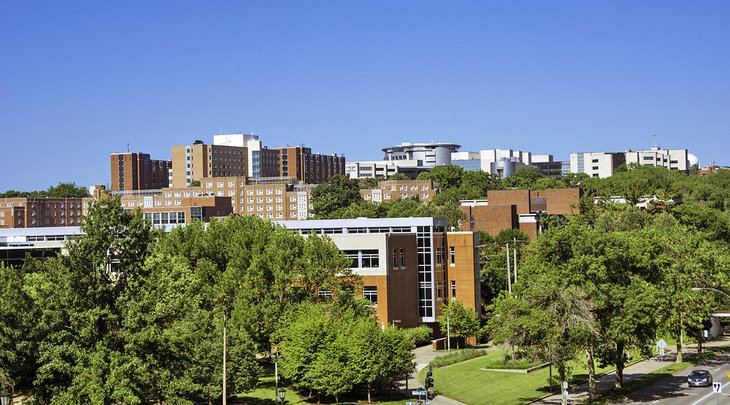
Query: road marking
x: 709, y: 395
x: 717, y: 369
x: 656, y: 401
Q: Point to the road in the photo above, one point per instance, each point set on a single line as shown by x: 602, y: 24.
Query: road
x: 674, y: 390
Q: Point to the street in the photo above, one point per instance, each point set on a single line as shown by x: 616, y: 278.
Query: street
x: 674, y: 390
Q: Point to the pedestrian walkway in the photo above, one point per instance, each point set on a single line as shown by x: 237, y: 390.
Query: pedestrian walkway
x: 636, y: 370
x: 424, y: 355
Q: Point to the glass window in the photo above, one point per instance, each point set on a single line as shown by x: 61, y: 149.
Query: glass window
x: 370, y: 293
x: 370, y: 259
x: 452, y: 255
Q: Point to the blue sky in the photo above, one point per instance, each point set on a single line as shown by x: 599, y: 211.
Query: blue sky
x: 79, y: 80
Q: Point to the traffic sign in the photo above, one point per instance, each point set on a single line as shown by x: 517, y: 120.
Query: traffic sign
x: 661, y: 344
x: 418, y: 392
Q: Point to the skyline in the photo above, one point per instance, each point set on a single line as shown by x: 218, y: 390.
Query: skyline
x: 80, y: 80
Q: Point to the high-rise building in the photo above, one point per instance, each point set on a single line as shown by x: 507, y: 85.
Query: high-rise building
x: 136, y: 171
x: 262, y: 162
x: 311, y: 168
x: 194, y: 162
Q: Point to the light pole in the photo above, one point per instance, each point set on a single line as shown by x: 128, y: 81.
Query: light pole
x: 711, y: 289
x: 281, y: 394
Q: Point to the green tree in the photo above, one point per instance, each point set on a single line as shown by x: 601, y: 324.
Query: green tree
x: 68, y: 190
x: 331, y: 198
x: 79, y: 324
x: 459, y: 320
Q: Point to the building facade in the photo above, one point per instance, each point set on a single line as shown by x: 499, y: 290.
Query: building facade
x: 519, y: 209
x: 136, y: 171
x: 262, y: 162
x: 36, y: 212
x: 193, y: 162
x: 423, y: 154
x: 308, y: 167
x: 389, y: 190
x: 441, y: 264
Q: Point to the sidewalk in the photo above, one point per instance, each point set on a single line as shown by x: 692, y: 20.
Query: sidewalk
x: 424, y: 355
x: 606, y: 381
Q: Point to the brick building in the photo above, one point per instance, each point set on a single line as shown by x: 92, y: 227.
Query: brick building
x: 410, y: 267
x: 389, y: 190
x: 308, y: 167
x: 194, y: 162
x: 136, y: 171
x: 518, y: 209
x: 35, y: 212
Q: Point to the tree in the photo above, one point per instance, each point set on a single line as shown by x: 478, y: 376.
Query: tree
x: 447, y: 177
x: 334, y: 196
x: 459, y: 320
x: 68, y: 190
x: 77, y: 295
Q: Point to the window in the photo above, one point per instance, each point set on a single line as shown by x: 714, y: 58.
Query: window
x: 402, y: 258
x: 219, y: 184
x: 249, y: 192
x: 395, y: 258
x: 453, y: 288
x: 370, y: 293
x: 452, y: 256
x: 370, y: 259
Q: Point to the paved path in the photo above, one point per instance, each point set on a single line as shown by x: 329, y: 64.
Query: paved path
x: 605, y: 382
x: 424, y: 355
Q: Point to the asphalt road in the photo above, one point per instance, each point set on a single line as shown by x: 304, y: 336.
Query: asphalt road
x: 674, y: 390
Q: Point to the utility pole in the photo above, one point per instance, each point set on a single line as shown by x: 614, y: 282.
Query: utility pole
x: 224, y: 358
x: 515, y: 257
x: 509, y: 275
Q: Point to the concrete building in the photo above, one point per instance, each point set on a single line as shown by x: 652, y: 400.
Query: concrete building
x: 506, y: 162
x: 136, y: 171
x: 519, y: 209
x: 35, y: 212
x: 423, y: 154
x: 604, y: 164
x: 389, y: 190
x: 410, y: 266
x: 194, y: 162
x: 262, y: 162
x: 672, y: 159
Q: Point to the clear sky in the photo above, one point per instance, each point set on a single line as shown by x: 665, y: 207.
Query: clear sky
x: 79, y: 80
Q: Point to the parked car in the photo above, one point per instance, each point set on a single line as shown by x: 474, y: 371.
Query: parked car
x: 699, y: 378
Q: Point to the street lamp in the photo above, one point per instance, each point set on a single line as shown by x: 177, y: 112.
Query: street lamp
x: 5, y: 398
x: 281, y: 392
x: 710, y: 289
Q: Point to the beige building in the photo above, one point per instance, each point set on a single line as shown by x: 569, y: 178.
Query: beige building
x: 35, y: 212
x: 389, y: 190
x: 178, y: 206
x: 194, y: 162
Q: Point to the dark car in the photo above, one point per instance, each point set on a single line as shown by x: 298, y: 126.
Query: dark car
x: 699, y: 378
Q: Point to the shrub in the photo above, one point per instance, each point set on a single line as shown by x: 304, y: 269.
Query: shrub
x: 420, y: 335
x: 457, y: 357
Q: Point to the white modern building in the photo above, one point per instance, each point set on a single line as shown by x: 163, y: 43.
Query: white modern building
x: 257, y: 153
x: 424, y: 154
x: 603, y: 164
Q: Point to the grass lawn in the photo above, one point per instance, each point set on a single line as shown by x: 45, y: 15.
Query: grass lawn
x: 467, y: 383
x: 264, y: 395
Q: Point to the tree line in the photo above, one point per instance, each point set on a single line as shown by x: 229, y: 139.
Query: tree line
x: 131, y: 315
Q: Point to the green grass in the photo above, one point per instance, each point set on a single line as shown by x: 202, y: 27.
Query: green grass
x: 467, y: 383
x: 264, y: 395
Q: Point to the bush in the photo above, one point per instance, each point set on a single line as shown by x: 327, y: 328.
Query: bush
x: 420, y: 335
x: 457, y: 357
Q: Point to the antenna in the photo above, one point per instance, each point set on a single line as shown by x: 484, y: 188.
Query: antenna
x: 127, y: 147
x: 654, y: 140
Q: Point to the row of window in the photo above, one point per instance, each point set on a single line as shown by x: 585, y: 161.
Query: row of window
x: 363, y: 259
